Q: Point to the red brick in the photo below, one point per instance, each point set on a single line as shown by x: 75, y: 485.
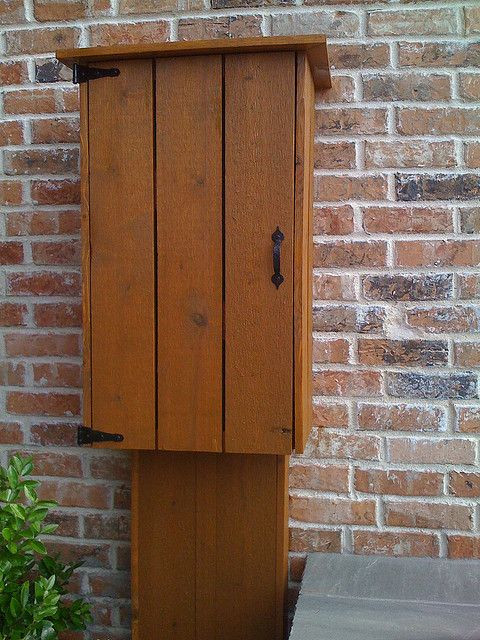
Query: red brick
x: 438, y: 121
x: 13, y: 72
x: 57, y: 314
x: 12, y: 12
x: 472, y: 20
x: 359, y: 56
x: 52, y: 463
x: 406, y: 86
x: 310, y: 476
x: 56, y: 191
x: 467, y: 354
x: 43, y: 404
x: 152, y: 6
x: 68, y: 525
x: 358, y: 319
x: 56, y: 434
x: 51, y: 253
x: 334, y: 155
x: 468, y: 419
x: 439, y: 54
x: 32, y: 41
x: 315, y: 540
x: 39, y: 223
x: 347, y: 383
x: 330, y: 415
x: 60, y: 374
x: 328, y: 286
x: 428, y: 515
x: 111, y: 585
x: 385, y: 543
x: 11, y: 253
x: 463, y: 547
x: 337, y: 221
x: 56, y: 130
x: 332, y: 511
x: 380, y: 417
x: 10, y: 192
x: 107, y: 527
x: 338, y: 188
x: 11, y: 433
x: 59, y: 10
x: 444, y: 319
x: 30, y: 101
x: 11, y: 132
x: 12, y: 374
x: 240, y: 26
x: 342, y: 91
x: 122, y: 497
x: 374, y: 351
x: 417, y: 153
x: 434, y: 451
x: 350, y: 121
x: 132, y: 33
x: 407, y: 220
x: 413, y: 21
x: 23, y: 344
x: 43, y: 283
x: 399, y: 483
x: 335, y: 23
x: 347, y: 253
x: 68, y: 99
x: 331, y: 350
x: 93, y: 555
x: 464, y: 484
x: 438, y: 253
x: 34, y: 162
x: 468, y: 287
x: 472, y: 155
x: 109, y: 467
x: 75, y: 494
x: 123, y: 558
x: 346, y: 446
x: 297, y: 567
x: 12, y: 314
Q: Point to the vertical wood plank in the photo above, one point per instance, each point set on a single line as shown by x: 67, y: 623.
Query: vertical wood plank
x: 259, y: 196
x: 85, y: 231
x: 189, y: 232
x: 281, y: 562
x: 136, y: 542
x: 303, y: 263
x: 122, y: 254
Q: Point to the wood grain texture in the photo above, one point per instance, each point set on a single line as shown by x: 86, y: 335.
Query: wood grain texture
x: 189, y: 245
x: 303, y: 263
x: 135, y: 542
x: 204, y: 571
x: 122, y: 255
x: 313, y: 45
x: 85, y: 231
x: 259, y: 196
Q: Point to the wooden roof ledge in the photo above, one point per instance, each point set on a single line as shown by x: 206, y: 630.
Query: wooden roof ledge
x: 315, y: 46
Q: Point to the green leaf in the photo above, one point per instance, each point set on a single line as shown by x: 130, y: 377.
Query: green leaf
x: 7, y: 533
x: 15, y: 608
x: 24, y: 594
x: 38, y: 547
x: 12, y: 475
x: 18, y: 510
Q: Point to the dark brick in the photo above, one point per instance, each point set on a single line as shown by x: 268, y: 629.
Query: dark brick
x: 406, y: 352
x: 455, y: 386
x: 51, y: 71
x: 233, y: 4
x: 348, y: 318
x: 470, y: 220
x: 411, y: 287
x: 411, y: 187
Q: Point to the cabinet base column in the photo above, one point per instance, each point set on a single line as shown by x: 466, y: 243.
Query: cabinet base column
x: 209, y: 546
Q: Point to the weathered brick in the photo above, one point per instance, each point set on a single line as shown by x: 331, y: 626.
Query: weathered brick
x: 350, y: 121
x: 455, y: 386
x: 468, y: 286
x: 11, y: 433
x: 407, y: 219
x: 469, y: 86
x: 11, y: 253
x: 399, y: 482
x: 467, y: 354
x: 60, y: 374
x: 51, y: 253
x: 333, y: 23
x: 11, y: 132
x: 33, y: 162
x: 464, y: 484
x: 43, y: 404
x: 386, y: 543
x: 39, y: 223
x: 93, y: 556
x: 348, y: 253
x: 472, y: 20
x: 10, y: 192
x: 472, y: 155
x: 348, y: 318
x: 57, y: 130
x: 328, y: 286
x: 12, y: 314
x: 409, y: 154
x: 332, y: 511
x: 439, y: 54
x: 56, y: 434
x: 108, y: 467
x: 68, y: 99
x: 334, y: 155
x: 342, y: 91
x: 347, y: 383
x: 151, y: 6
x: 12, y: 12
x: 337, y: 188
x: 57, y: 314
x: 411, y: 287
x: 468, y: 419
x: 107, y: 527
x: 406, y: 86
x: 12, y: 374
x: 433, y: 451
x: 400, y: 417
x: 296, y: 568
x: 438, y: 253
x: 68, y: 524
x: 346, y: 446
x: 463, y: 547
x: 13, y: 73
x: 402, y: 352
x: 53, y: 463
x: 412, y: 21
x: 75, y: 494
x: 109, y: 585
x: 315, y: 540
x: 438, y: 121
x: 233, y: 4
x: 56, y: 191
x: 59, y: 10
x: 428, y: 515
x: 311, y: 476
x: 329, y: 415
x: 43, y: 283
x: 359, y: 56
x: 31, y: 41
x: 331, y: 350
x: 470, y: 219
x: 464, y: 186
x: 133, y: 33
x: 337, y: 221
x: 445, y: 319
x: 219, y: 27
x: 51, y: 70
x: 28, y: 344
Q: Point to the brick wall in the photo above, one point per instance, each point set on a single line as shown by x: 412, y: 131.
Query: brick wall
x: 391, y: 466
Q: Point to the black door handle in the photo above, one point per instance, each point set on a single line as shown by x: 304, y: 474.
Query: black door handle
x: 277, y: 237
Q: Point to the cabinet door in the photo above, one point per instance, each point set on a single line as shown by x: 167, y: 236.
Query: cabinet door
x: 259, y: 197
x: 189, y: 244
x: 119, y: 256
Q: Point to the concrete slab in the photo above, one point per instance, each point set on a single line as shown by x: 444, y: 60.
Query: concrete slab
x: 348, y: 597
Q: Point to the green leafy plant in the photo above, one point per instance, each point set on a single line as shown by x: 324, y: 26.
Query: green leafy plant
x: 33, y: 585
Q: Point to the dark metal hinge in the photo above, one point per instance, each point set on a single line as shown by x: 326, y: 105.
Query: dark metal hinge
x: 82, y: 73
x: 85, y: 435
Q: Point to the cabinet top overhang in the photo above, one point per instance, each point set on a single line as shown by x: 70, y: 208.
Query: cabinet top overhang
x: 315, y: 47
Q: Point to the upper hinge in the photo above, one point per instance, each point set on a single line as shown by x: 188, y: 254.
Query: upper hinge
x: 82, y: 73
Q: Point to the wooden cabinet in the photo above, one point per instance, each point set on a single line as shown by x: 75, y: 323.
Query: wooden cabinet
x: 197, y: 260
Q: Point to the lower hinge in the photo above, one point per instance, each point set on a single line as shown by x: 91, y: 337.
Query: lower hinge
x: 82, y: 73
x: 85, y: 435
